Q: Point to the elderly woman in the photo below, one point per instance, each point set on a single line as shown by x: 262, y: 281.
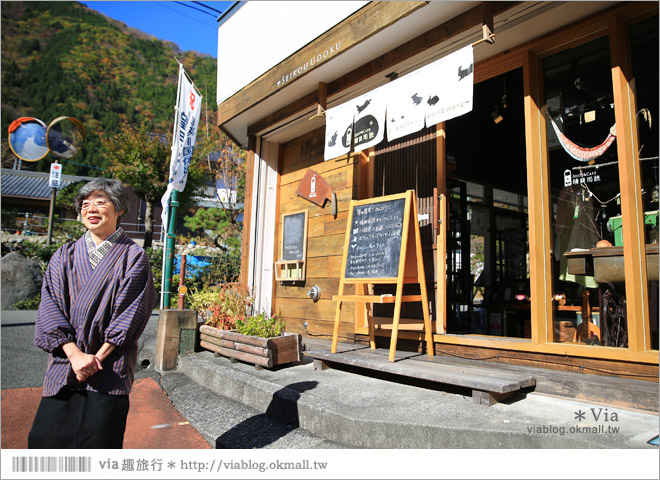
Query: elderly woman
x: 96, y: 299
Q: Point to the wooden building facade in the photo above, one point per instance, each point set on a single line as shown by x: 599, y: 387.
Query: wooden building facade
x: 559, y: 152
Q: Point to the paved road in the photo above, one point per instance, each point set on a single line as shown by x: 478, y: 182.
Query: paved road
x: 153, y: 421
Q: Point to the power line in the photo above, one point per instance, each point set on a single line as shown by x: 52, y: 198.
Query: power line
x: 81, y: 164
x: 195, y: 8
x: 162, y: 4
x: 206, y: 6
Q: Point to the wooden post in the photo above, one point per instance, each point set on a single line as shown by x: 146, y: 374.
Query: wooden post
x: 182, y: 279
x: 632, y: 211
x: 51, y: 214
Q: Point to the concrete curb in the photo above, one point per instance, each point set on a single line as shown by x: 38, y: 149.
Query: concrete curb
x: 363, y: 412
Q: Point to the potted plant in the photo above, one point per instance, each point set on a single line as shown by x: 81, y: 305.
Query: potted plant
x: 229, y: 330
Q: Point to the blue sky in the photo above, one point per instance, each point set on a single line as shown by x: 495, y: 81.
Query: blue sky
x: 188, y: 24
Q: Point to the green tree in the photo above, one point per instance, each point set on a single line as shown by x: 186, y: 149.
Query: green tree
x: 141, y: 158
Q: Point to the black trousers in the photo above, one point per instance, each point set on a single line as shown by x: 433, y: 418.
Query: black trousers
x: 80, y: 419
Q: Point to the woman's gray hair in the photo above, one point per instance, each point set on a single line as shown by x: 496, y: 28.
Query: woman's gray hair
x: 113, y: 188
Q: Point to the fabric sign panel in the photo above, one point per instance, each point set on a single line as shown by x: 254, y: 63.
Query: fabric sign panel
x: 450, y: 86
x: 406, y: 105
x: 338, y: 130
x: 369, y: 124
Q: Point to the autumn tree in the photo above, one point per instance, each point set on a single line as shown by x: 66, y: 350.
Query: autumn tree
x: 140, y: 158
x: 226, y: 164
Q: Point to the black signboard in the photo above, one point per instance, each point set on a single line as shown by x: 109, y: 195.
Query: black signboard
x: 374, y: 247
x: 294, y: 233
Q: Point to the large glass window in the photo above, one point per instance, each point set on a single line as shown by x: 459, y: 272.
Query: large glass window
x: 644, y: 44
x: 587, y: 253
x: 487, y: 240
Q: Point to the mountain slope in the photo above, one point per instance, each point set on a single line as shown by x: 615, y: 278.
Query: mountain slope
x: 61, y: 58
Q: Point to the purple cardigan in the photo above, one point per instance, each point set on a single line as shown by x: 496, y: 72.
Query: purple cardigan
x: 111, y: 303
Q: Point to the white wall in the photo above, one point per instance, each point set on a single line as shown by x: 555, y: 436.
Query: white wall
x: 261, y: 34
x: 262, y: 229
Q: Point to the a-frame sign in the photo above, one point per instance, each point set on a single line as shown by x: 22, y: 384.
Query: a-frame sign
x: 383, y: 246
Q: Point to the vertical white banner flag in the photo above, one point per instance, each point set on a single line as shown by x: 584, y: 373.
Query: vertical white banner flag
x: 406, y: 105
x: 338, y: 130
x: 188, y: 109
x: 369, y: 123
x: 450, y: 86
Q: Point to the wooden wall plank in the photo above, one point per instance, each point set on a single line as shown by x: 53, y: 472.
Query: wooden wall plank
x: 326, y: 233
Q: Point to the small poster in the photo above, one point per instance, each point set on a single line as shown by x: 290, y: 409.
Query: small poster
x: 450, y: 86
x: 338, y: 130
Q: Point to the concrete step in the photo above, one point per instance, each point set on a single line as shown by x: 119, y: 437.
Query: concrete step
x: 364, y: 412
x: 225, y: 423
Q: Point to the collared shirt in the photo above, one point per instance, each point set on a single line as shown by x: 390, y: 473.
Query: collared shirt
x: 95, y: 253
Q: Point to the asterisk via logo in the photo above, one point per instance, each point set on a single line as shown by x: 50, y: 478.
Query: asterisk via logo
x: 579, y: 415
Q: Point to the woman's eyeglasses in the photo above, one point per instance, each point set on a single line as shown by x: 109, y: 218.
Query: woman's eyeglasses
x: 101, y: 203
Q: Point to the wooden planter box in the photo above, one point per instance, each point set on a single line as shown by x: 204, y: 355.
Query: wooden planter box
x: 266, y: 352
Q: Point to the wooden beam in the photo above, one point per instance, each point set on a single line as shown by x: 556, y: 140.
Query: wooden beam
x: 441, y: 238
x: 280, y: 150
x: 632, y: 210
x: 435, y: 36
x: 419, y: 44
x: 538, y: 185
x: 247, y: 213
x: 357, y: 28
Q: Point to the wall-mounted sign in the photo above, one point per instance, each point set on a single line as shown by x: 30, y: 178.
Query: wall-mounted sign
x: 293, y: 251
x: 314, y: 188
x: 313, y: 61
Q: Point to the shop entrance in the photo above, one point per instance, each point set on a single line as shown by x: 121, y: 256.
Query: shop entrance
x: 410, y: 163
x: 487, y: 253
x: 487, y: 238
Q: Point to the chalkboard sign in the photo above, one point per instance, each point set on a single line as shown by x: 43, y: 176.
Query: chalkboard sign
x: 294, y: 233
x: 374, y: 247
x: 293, y: 252
x: 383, y: 246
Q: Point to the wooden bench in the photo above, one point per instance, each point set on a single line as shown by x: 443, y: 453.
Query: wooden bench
x: 489, y: 385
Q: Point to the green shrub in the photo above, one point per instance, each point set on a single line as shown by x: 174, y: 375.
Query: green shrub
x: 31, y: 303
x: 261, y: 325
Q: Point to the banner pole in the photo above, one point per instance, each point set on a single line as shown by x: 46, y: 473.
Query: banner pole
x: 165, y: 226
x: 170, y: 250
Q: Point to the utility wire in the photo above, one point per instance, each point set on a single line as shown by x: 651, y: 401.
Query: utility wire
x: 162, y: 4
x: 80, y: 164
x: 206, y: 6
x: 195, y: 8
